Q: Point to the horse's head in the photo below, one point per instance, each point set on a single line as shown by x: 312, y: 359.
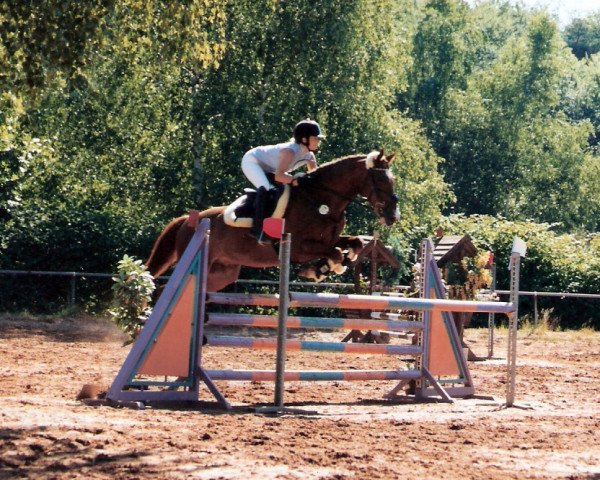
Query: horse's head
x: 378, y: 187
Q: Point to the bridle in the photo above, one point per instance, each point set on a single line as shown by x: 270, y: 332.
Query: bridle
x: 378, y: 203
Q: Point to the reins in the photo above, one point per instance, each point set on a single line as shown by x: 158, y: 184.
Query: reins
x: 358, y: 201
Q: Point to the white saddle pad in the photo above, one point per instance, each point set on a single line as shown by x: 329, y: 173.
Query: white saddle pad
x: 246, y: 222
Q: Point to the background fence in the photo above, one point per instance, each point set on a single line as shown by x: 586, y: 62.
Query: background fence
x: 75, y: 289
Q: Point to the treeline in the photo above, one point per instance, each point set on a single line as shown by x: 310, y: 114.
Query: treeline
x: 116, y: 116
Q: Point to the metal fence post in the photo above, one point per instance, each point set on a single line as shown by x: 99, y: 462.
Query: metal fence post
x: 72, y: 291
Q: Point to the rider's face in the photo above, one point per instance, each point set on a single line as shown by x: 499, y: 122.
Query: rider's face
x: 313, y: 142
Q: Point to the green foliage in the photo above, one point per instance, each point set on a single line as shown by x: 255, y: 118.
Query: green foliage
x: 497, y: 21
x: 554, y: 262
x: 104, y: 160
x: 581, y: 98
x: 444, y: 48
x: 40, y: 39
x: 583, y: 36
x: 117, y: 116
x: 132, y: 289
x: 508, y: 150
x: 11, y: 164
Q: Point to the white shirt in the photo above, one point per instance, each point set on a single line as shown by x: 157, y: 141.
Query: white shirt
x: 268, y: 155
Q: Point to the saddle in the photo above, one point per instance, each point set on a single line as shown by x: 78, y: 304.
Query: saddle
x: 241, y: 212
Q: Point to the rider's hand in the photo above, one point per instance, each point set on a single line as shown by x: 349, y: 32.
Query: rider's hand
x: 297, y: 179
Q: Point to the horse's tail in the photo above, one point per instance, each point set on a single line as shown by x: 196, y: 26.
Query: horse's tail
x: 165, y: 252
x: 171, y: 243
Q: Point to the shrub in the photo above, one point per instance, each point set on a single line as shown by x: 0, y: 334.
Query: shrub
x: 133, y: 291
x: 555, y: 262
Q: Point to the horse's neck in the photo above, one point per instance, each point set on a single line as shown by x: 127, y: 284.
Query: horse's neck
x: 344, y: 178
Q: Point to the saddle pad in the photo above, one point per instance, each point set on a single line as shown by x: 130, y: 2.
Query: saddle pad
x: 246, y: 222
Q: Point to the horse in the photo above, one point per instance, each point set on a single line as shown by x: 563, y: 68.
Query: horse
x: 315, y: 217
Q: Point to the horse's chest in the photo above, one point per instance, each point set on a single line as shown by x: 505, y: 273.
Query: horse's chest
x: 323, y: 231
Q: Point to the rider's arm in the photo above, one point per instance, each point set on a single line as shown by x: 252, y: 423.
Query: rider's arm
x: 286, y: 158
x: 311, y: 164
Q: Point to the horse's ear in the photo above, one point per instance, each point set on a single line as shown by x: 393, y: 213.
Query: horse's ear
x: 391, y: 157
x: 381, y: 154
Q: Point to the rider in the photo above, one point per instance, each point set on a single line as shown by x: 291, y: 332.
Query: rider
x: 279, y: 160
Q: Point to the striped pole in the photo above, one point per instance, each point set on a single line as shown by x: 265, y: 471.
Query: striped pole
x: 314, y: 376
x: 362, y: 302
x: 247, y: 320
x: 308, y: 345
x: 515, y: 264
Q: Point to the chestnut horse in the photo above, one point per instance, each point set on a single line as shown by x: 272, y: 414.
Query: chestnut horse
x: 315, y: 217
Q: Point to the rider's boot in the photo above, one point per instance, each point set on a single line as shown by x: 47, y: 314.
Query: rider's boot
x: 259, y: 213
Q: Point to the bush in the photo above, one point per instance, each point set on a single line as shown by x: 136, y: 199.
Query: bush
x: 554, y: 263
x: 133, y: 291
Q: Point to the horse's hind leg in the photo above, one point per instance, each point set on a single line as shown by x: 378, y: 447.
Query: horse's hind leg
x: 221, y: 275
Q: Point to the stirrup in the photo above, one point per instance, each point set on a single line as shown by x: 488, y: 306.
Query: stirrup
x: 260, y: 236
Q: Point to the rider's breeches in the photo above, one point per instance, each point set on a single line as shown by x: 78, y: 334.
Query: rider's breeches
x: 255, y: 172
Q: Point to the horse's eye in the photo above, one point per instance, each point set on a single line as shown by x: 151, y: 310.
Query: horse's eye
x: 395, y: 197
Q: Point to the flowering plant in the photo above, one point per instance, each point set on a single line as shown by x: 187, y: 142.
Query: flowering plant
x: 466, y: 279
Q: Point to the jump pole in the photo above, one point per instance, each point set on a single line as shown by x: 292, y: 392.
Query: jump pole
x: 519, y: 248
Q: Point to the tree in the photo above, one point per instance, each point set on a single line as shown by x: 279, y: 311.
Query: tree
x: 496, y: 21
x: 510, y: 150
x: 580, y: 99
x: 40, y: 39
x: 583, y: 36
x: 105, y: 157
x: 444, y: 52
x: 340, y: 62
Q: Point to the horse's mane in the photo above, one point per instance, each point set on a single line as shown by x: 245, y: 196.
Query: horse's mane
x: 332, y: 168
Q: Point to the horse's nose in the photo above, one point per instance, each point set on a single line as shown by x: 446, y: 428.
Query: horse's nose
x: 393, y: 218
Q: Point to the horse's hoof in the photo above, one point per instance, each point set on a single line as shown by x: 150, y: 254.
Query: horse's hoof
x: 334, y: 267
x: 310, y: 273
x: 339, y: 269
x: 351, y: 255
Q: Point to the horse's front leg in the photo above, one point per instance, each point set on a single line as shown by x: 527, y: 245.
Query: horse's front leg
x: 332, y: 261
x: 350, y: 246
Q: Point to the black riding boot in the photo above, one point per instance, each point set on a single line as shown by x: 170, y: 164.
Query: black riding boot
x: 259, y: 212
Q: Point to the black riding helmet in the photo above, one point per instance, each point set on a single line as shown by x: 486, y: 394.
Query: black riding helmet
x: 307, y: 128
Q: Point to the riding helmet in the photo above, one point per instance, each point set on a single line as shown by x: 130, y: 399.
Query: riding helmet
x: 307, y: 128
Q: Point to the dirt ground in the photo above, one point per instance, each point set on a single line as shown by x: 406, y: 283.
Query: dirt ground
x: 351, y: 433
